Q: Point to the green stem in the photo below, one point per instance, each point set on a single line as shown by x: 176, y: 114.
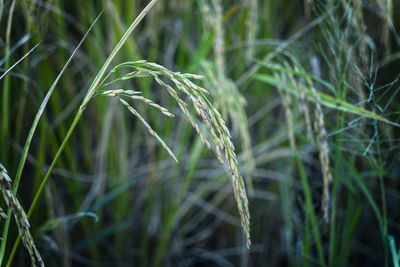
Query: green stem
x: 4, y: 134
x: 310, y: 210
x: 47, y: 176
x: 384, y: 226
x: 91, y: 91
x: 97, y: 80
x: 29, y: 140
x: 340, y: 118
x: 5, y: 119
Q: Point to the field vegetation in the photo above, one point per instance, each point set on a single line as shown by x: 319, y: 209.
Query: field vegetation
x: 200, y: 133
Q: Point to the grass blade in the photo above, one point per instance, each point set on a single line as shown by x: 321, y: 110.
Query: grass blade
x: 395, y: 257
x: 92, y: 89
x: 19, y: 60
x: 31, y: 133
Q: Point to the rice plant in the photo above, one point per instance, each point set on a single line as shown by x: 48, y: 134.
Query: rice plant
x: 130, y: 132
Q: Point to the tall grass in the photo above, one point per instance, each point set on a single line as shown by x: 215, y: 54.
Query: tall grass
x: 307, y: 93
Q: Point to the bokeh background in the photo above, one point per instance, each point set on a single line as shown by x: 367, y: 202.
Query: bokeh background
x: 309, y: 90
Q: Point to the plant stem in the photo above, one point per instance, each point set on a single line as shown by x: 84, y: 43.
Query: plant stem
x: 123, y: 40
x: 29, y: 140
x: 47, y: 176
x: 4, y: 134
x: 310, y: 209
x: 92, y: 89
x: 5, y: 113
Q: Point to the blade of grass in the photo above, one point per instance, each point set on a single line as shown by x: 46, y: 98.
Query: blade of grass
x: 20, y: 43
x: 92, y: 89
x: 392, y: 245
x: 4, y: 134
x: 309, y: 209
x: 19, y: 60
x: 118, y: 47
x: 31, y: 133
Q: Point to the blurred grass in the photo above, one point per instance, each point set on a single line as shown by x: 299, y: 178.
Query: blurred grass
x: 154, y: 212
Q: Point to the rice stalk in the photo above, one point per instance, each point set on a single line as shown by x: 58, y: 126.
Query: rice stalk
x: 283, y: 80
x: 322, y: 141
x: 207, y: 15
x: 319, y: 125
x: 1, y: 8
x: 304, y: 107
x: 218, y: 131
x: 287, y: 102
x: 385, y: 8
x: 308, y: 6
x: 148, y: 127
x: 134, y: 95
x: 232, y: 103
x: 226, y: 94
x: 326, y: 99
x: 20, y: 217
x: 251, y: 28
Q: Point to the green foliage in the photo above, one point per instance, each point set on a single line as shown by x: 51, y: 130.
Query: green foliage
x: 308, y: 90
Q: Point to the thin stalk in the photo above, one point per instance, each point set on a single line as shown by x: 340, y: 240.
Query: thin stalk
x: 19, y: 60
x: 310, y: 210
x: 5, y: 111
x: 43, y: 183
x: 118, y: 47
x: 306, y: 250
x: 6, y: 91
x: 340, y: 119
x: 332, y: 229
x: 383, y: 196
x: 338, y: 157
x: 92, y: 89
x: 392, y: 245
x: 29, y: 140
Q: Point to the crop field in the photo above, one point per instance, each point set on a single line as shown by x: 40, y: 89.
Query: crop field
x: 200, y: 133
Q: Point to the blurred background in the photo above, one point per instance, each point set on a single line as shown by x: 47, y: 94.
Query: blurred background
x: 309, y: 90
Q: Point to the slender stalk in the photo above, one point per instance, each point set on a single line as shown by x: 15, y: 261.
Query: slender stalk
x: 381, y: 172
x: 310, y: 210
x: 19, y: 60
x: 5, y: 112
x: 29, y: 140
x: 4, y: 134
x: 123, y: 40
x: 41, y: 187
x: 92, y: 89
x: 392, y: 245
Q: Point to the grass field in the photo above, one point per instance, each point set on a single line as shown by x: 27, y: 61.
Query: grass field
x: 200, y: 133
